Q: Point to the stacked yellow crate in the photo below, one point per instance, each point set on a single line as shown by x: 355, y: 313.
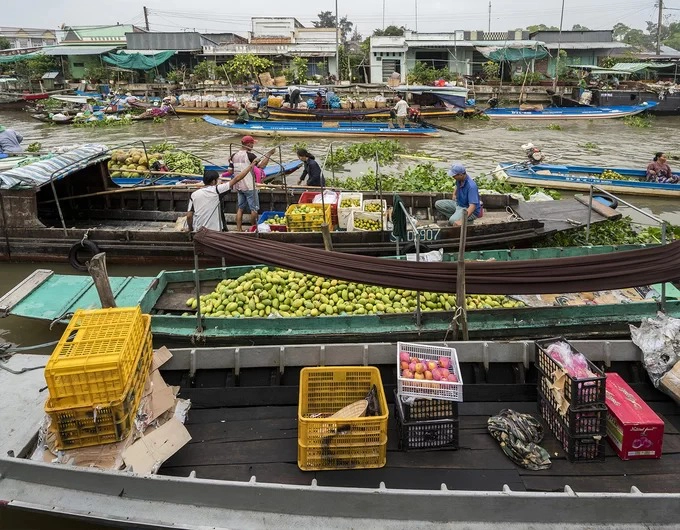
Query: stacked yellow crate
x: 96, y: 376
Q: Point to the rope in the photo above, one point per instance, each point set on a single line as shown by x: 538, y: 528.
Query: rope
x: 454, y: 321
x: 85, y: 236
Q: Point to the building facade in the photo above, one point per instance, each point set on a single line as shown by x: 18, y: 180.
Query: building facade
x: 21, y: 38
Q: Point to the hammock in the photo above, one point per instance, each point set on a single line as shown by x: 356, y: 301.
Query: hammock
x: 617, y: 270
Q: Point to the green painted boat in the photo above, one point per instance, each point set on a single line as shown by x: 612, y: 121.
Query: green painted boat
x: 55, y: 297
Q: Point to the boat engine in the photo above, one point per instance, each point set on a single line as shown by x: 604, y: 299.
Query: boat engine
x: 414, y: 115
x: 534, y: 154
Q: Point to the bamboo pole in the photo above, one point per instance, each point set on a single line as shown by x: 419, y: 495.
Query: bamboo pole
x: 460, y: 280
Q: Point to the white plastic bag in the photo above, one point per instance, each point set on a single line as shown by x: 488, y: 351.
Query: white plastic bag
x: 263, y: 227
x: 659, y: 340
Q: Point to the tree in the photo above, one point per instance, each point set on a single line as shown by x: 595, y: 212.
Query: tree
x: 326, y: 20
x: 246, y: 66
x: 5, y: 44
x: 673, y: 39
x: 638, y: 39
x: 578, y: 27
x: 390, y: 31
x: 541, y: 27
x: 619, y: 31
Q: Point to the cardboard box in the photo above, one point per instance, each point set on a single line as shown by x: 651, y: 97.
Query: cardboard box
x: 633, y: 429
x: 670, y: 383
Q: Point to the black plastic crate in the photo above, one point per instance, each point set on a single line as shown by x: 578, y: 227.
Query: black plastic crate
x: 425, y: 434
x: 584, y: 448
x: 578, y: 392
x: 428, y: 409
x: 590, y: 420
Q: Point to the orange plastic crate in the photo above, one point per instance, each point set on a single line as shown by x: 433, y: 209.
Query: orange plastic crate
x: 96, y: 356
x: 340, y: 443
x: 104, y: 422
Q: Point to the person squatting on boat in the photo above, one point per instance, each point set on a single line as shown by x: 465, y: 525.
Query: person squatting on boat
x: 243, y: 116
x: 659, y: 171
x: 10, y: 140
x: 295, y: 97
x: 311, y: 168
x: 401, y: 110
x: 247, y: 191
x: 465, y: 198
x: 205, y: 204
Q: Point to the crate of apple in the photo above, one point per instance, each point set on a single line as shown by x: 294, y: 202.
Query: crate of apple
x: 429, y: 372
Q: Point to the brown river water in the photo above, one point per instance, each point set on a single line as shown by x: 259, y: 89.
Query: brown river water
x: 480, y: 148
x: 483, y: 145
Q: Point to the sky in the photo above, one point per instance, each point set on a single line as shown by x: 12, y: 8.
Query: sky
x: 367, y: 15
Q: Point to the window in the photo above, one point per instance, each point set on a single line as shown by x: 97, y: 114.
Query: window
x: 78, y: 65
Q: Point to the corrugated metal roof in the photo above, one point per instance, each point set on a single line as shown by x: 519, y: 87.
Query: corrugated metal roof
x: 141, y: 52
x: 78, y: 50
x: 587, y: 45
x: 181, y: 41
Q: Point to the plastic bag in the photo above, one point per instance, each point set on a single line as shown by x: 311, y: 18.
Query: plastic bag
x: 263, y: 227
x: 329, y: 197
x: 540, y: 197
x: 574, y: 363
x: 659, y: 340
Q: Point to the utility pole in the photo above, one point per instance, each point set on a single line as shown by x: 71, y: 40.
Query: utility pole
x: 146, y: 18
x: 489, y: 16
x: 383, y: 15
x: 416, y: 16
x: 658, y: 28
x: 559, y: 50
x: 337, y: 40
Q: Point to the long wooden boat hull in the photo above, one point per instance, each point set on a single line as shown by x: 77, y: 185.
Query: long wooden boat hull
x: 569, y: 113
x: 51, y: 297
x: 580, y: 178
x: 316, y: 129
x: 279, y: 113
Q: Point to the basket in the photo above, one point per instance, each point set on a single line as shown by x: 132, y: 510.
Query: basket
x: 298, y: 222
x: 578, y: 392
x: 268, y: 215
x: 430, y: 389
x: 107, y: 422
x: 223, y: 104
x: 424, y: 434
x: 370, y: 103
x: 588, y: 448
x: 95, y: 356
x: 345, y: 212
x: 307, y: 197
x: 357, y: 215
x: 428, y: 409
x: 340, y: 443
x: 190, y: 103
x: 591, y: 420
x: 381, y: 202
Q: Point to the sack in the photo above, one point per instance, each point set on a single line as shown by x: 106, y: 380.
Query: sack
x: 181, y: 224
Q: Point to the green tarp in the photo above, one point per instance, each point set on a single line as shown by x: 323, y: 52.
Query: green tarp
x: 14, y: 58
x: 137, y: 61
x: 498, y: 54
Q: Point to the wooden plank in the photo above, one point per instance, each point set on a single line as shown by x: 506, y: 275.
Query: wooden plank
x: 259, y: 451
x: 614, y: 484
x: 243, y: 431
x: 240, y: 413
x: 22, y: 290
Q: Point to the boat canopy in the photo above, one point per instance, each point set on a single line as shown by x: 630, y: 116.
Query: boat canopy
x: 620, y: 68
x: 40, y: 173
x: 513, y: 53
x: 137, y: 61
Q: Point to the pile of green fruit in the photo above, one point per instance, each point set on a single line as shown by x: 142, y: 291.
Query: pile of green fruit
x: 367, y: 224
x: 350, y: 203
x: 610, y: 174
x: 130, y: 163
x: 305, y: 209
x: 276, y: 220
x: 263, y: 292
x: 372, y: 207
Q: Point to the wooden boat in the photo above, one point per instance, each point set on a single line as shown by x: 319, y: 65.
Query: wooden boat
x: 568, y: 113
x: 45, y: 118
x: 244, y: 447
x: 580, y: 178
x: 54, y: 297
x: 315, y: 129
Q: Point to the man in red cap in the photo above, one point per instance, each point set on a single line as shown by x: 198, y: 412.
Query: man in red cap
x: 246, y: 188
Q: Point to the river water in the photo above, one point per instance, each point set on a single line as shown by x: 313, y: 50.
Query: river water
x: 480, y: 148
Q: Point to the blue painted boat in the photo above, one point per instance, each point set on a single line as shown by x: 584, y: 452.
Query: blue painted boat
x: 319, y: 128
x: 270, y: 171
x: 580, y: 178
x: 569, y: 113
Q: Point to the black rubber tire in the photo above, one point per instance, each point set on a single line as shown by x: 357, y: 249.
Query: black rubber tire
x: 264, y: 114
x: 81, y: 246
x: 607, y: 201
x: 410, y: 247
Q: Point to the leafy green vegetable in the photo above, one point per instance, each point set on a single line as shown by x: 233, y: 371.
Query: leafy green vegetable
x: 384, y: 149
x: 618, y: 232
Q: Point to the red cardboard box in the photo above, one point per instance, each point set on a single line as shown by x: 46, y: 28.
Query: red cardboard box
x: 633, y: 429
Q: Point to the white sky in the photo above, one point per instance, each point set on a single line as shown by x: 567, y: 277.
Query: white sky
x: 433, y: 15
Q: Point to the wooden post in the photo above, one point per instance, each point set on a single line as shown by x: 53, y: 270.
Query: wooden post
x: 97, y: 269
x: 326, y: 234
x: 460, y: 280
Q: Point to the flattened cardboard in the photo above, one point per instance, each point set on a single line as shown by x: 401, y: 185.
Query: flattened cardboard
x: 146, y: 455
x: 160, y: 356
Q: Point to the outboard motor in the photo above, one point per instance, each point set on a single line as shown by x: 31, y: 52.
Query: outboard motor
x: 414, y: 115
x: 533, y: 153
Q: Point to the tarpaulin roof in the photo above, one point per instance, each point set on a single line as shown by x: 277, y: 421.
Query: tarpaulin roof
x: 512, y: 54
x: 14, y: 58
x: 137, y: 61
x: 637, y: 67
x: 77, y: 50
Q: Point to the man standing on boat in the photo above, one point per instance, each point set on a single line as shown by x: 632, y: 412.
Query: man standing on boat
x: 465, y: 199
x: 247, y: 189
x: 10, y: 140
x: 205, y: 205
x: 294, y: 96
x: 401, y: 109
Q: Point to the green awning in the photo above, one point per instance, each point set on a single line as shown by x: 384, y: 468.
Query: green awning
x: 638, y: 67
x: 508, y: 53
x: 137, y: 61
x: 15, y: 58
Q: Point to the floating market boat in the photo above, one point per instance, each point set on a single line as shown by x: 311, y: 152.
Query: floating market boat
x: 320, y: 128
x: 243, y: 425
x: 580, y: 178
x: 568, y: 113
x: 45, y: 295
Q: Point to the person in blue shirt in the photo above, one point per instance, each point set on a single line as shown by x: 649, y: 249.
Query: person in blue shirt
x: 465, y: 199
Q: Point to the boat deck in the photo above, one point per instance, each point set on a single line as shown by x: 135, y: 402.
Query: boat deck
x: 235, y: 442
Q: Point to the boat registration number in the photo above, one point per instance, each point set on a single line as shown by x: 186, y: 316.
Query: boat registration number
x: 426, y: 234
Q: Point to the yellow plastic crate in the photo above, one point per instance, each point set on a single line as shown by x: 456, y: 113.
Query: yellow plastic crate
x: 309, y: 222
x: 325, y: 443
x: 104, y: 422
x: 96, y: 356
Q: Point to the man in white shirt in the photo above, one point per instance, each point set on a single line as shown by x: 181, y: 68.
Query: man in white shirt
x: 205, y: 203
x: 401, y: 108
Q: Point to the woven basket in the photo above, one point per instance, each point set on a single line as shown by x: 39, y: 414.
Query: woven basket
x: 370, y: 103
x: 353, y: 410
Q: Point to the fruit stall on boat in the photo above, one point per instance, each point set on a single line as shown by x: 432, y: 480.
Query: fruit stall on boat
x: 581, y: 178
x: 230, y: 313
x: 136, y: 224
x: 244, y: 434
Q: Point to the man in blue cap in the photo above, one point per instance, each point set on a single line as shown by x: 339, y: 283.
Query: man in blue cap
x: 465, y: 199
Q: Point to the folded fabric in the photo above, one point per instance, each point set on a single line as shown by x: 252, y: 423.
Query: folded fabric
x: 519, y: 435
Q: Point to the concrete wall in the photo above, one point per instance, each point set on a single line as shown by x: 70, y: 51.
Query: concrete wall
x: 79, y: 63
